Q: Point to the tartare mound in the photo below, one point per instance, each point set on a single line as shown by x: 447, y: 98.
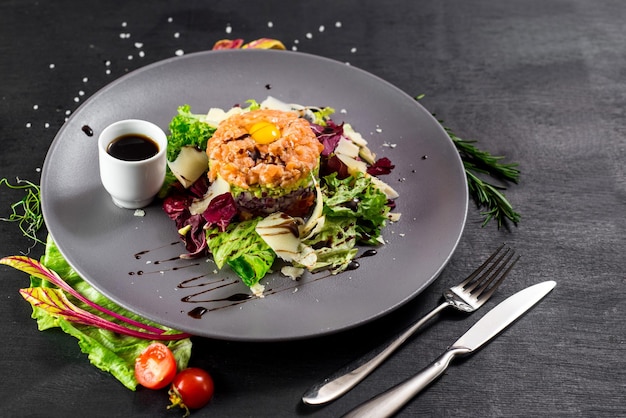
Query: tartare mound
x: 286, y: 163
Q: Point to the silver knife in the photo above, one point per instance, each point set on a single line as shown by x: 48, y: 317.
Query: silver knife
x: 490, y: 325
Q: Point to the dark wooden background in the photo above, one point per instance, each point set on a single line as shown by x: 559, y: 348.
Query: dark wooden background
x: 540, y: 81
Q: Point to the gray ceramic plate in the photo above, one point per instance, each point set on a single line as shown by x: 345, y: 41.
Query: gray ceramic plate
x: 133, y: 260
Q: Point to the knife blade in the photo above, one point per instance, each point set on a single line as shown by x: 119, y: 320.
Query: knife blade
x: 489, y: 326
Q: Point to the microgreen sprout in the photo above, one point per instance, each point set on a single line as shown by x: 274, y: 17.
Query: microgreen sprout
x: 27, y: 211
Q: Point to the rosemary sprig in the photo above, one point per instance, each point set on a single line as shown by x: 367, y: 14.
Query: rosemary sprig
x: 27, y: 211
x: 485, y: 194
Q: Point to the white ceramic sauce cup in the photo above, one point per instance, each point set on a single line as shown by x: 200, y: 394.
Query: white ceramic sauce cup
x: 132, y: 184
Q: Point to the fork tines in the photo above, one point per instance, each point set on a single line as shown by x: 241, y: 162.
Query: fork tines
x: 495, y: 268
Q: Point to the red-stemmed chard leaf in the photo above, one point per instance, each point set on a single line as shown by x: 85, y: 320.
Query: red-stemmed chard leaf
x: 47, y: 301
x: 55, y: 302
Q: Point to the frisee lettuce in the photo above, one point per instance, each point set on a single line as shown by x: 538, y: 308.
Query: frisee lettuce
x: 187, y: 129
x: 357, y: 198
x: 334, y: 245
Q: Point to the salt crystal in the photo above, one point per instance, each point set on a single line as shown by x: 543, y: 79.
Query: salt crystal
x: 81, y: 93
x: 76, y: 99
x: 270, y: 24
x: 107, y: 62
x: 46, y: 125
x: 130, y: 57
x: 179, y: 52
x: 353, y: 50
x: 85, y: 79
x: 177, y: 35
x: 35, y: 107
x: 322, y: 28
x: 229, y: 28
x: 67, y: 112
x: 124, y: 24
x: 52, y: 66
x: 337, y: 24
x: 28, y: 125
x: 170, y: 20
x: 309, y: 35
x: 294, y: 48
x: 138, y: 45
x: 142, y: 54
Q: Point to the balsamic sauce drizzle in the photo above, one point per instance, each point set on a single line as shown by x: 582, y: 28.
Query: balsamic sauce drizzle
x: 239, y: 298
x: 87, y: 130
x: 144, y: 252
x: 201, y: 281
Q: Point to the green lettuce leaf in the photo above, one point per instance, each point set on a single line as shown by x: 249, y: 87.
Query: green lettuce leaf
x: 106, y: 350
x: 334, y: 245
x: 370, y: 214
x: 322, y: 115
x: 243, y: 250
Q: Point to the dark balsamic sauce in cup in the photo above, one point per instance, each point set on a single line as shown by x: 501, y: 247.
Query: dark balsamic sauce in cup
x: 133, y: 147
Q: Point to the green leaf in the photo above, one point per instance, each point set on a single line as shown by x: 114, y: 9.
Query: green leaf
x: 357, y: 198
x: 52, y: 307
x: 334, y: 245
x: 187, y: 129
x: 242, y: 249
x: 27, y: 211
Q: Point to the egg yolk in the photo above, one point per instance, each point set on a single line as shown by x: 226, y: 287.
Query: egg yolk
x: 264, y: 132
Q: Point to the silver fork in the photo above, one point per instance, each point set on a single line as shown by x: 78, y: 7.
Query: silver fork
x: 467, y: 296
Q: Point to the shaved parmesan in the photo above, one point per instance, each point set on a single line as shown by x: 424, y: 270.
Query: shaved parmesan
x: 354, y: 166
x: 190, y: 164
x: 280, y: 232
x: 218, y: 187
x: 385, y: 188
x: 348, y: 148
x: 216, y: 115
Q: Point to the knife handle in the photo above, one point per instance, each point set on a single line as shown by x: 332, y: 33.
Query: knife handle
x: 389, y: 402
x: 349, y: 376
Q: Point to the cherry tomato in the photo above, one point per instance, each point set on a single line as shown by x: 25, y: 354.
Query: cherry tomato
x: 192, y: 388
x: 155, y: 367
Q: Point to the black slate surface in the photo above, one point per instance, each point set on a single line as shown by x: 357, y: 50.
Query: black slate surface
x: 541, y: 82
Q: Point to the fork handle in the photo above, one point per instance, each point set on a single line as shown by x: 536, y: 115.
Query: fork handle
x: 349, y: 376
x: 391, y: 401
